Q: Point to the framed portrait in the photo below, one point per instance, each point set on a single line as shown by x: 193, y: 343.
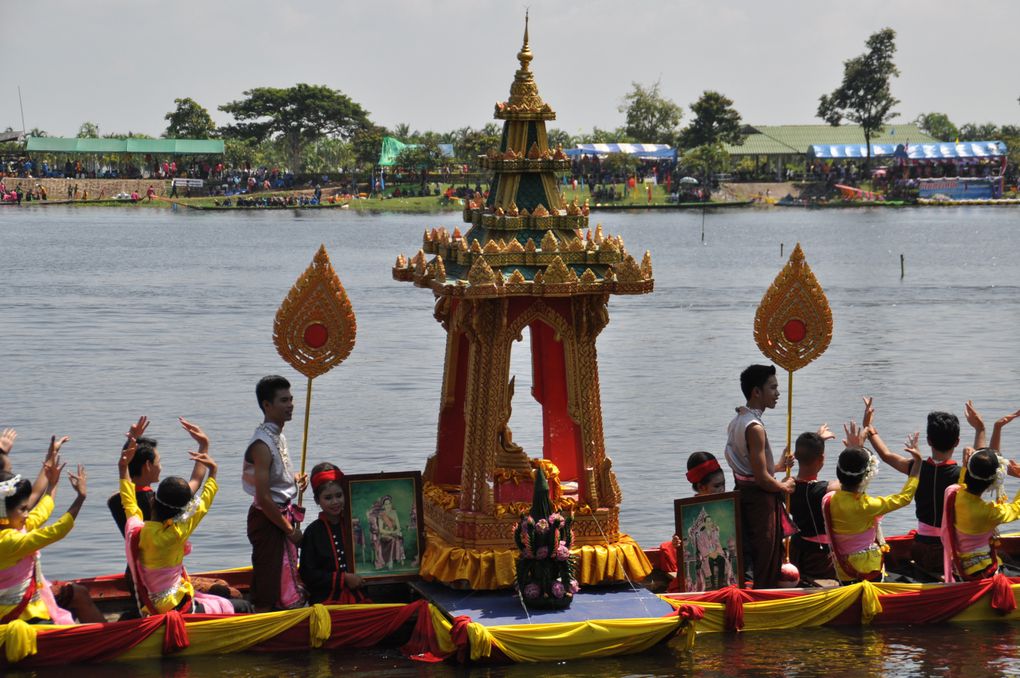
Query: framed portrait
x: 385, y: 525
x: 712, y: 556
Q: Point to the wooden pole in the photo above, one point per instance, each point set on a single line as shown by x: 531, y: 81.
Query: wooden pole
x: 304, y: 438
x: 903, y: 270
x: 789, y: 448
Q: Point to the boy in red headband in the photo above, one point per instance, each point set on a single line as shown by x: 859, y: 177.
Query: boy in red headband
x: 324, y: 546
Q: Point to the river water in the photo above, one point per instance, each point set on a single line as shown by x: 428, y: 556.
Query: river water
x: 108, y: 314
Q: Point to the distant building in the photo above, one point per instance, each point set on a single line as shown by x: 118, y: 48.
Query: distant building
x: 777, y: 145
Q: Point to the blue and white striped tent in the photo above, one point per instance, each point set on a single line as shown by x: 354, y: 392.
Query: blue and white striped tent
x: 643, y: 151
x: 922, y: 151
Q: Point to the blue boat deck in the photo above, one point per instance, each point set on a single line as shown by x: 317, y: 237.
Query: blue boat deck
x: 503, y: 608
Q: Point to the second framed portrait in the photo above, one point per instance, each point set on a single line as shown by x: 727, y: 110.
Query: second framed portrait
x: 712, y: 554
x: 385, y: 525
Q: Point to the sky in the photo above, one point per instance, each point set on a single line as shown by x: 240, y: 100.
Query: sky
x: 441, y: 65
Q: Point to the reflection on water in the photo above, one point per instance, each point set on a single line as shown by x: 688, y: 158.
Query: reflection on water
x: 108, y: 314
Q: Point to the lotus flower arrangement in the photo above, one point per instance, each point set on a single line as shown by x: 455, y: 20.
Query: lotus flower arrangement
x: 545, y: 568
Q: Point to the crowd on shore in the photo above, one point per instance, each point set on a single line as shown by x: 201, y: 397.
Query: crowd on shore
x: 292, y: 567
x: 834, y: 525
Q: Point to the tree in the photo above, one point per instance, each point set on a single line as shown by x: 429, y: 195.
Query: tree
x: 190, y: 120
x: 937, y: 125
x: 979, y: 132
x: 299, y: 115
x: 473, y: 143
x: 559, y: 137
x: 865, y: 97
x: 620, y: 164
x: 367, y: 143
x: 88, y: 130
x: 651, y: 118
x: 715, y: 120
x: 423, y: 157
x: 704, y: 161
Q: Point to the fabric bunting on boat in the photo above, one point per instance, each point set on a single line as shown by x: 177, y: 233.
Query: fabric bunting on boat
x: 488, y: 569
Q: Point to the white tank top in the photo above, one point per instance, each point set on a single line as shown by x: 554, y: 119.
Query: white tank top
x: 281, y: 475
x: 737, y: 454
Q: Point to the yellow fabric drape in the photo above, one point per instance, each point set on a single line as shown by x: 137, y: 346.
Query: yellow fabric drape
x: 559, y: 641
x: 238, y: 633
x: 18, y: 640
x: 495, y: 568
x: 812, y: 609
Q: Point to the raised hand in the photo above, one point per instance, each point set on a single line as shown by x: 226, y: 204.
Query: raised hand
x: 55, y: 445
x: 52, y: 469
x: 138, y: 428
x: 196, y: 433
x: 7, y: 437
x: 910, y: 446
x: 967, y: 453
x: 1002, y: 421
x: 78, y: 481
x: 973, y: 416
x: 869, y: 412
x: 855, y: 436
x: 302, y: 481
x: 204, y: 459
x: 1013, y: 469
x: 126, y: 455
x: 825, y: 433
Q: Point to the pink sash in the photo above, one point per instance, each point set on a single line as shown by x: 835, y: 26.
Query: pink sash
x: 148, y: 580
x: 956, y: 543
x: 22, y: 573
x: 842, y: 546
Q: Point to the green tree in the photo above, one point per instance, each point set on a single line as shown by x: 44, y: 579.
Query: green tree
x: 937, y: 125
x: 651, y: 118
x: 422, y: 157
x: 704, y: 161
x: 979, y: 132
x: 621, y: 164
x: 473, y: 143
x: 715, y: 120
x: 190, y: 120
x: 605, y: 136
x: 299, y: 115
x: 865, y: 97
x: 559, y: 137
x: 367, y: 143
x: 88, y: 130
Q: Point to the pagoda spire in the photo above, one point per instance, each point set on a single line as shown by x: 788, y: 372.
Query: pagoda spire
x: 524, y: 101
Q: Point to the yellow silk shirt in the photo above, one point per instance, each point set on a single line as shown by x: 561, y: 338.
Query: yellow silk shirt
x: 161, y: 545
x: 15, y: 545
x: 974, y: 515
x: 854, y: 513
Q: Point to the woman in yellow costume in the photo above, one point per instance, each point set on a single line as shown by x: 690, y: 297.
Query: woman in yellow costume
x: 852, y: 516
x: 969, y: 523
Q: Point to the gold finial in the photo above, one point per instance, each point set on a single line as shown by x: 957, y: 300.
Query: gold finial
x: 524, y: 101
x: 525, y: 56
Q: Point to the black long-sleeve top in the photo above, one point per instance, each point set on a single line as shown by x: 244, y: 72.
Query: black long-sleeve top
x: 323, y: 561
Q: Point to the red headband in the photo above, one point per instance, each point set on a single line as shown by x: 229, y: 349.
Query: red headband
x: 698, y: 473
x: 324, y: 477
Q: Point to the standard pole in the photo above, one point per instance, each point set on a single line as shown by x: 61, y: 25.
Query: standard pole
x: 304, y: 439
x: 789, y: 446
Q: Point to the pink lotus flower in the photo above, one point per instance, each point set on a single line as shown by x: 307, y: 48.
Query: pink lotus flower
x: 555, y: 518
x: 531, y: 591
x: 574, y: 586
x: 542, y: 553
x: 562, y: 552
x: 557, y: 589
x: 542, y: 525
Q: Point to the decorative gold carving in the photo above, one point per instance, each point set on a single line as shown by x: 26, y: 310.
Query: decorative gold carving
x: 628, y: 271
x: 793, y: 323
x: 492, y: 247
x: 401, y: 262
x: 609, y: 489
x: 575, y: 245
x: 556, y: 273
x: 530, y: 246
x: 646, y: 266
x: 549, y: 242
x: 440, y: 273
x: 572, y: 208
x: 588, y: 277
x: 476, y: 247
x: 315, y: 328
x: 481, y: 273
x: 515, y: 247
x: 534, y: 153
x: 516, y: 278
x: 540, y: 211
x: 524, y: 101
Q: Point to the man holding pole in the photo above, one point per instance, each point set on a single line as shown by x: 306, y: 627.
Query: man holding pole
x: 273, y: 520
x: 761, y: 493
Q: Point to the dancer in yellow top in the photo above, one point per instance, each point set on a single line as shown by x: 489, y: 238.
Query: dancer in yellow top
x: 852, y: 516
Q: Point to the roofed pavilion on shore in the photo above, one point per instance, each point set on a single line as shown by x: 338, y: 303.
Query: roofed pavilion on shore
x: 527, y: 261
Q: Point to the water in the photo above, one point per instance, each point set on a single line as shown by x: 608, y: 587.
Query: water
x: 109, y: 314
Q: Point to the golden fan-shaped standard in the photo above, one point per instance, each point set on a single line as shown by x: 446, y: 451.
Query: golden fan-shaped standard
x: 315, y: 327
x: 793, y: 324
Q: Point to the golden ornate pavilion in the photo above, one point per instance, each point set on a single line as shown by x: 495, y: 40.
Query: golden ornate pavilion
x: 528, y: 261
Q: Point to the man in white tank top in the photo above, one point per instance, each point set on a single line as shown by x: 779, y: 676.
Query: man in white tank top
x: 273, y: 520
x: 761, y: 494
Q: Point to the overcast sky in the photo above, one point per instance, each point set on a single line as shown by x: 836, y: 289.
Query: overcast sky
x: 441, y: 65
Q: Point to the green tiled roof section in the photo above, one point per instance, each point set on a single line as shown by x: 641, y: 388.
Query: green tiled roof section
x: 796, y: 139
x: 153, y: 146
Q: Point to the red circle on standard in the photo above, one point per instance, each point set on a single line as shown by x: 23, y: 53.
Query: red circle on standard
x: 795, y: 330
x: 316, y: 335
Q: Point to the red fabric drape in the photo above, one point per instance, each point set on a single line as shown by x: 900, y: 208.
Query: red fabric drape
x: 175, y: 638
x: 350, y: 628
x: 561, y: 435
